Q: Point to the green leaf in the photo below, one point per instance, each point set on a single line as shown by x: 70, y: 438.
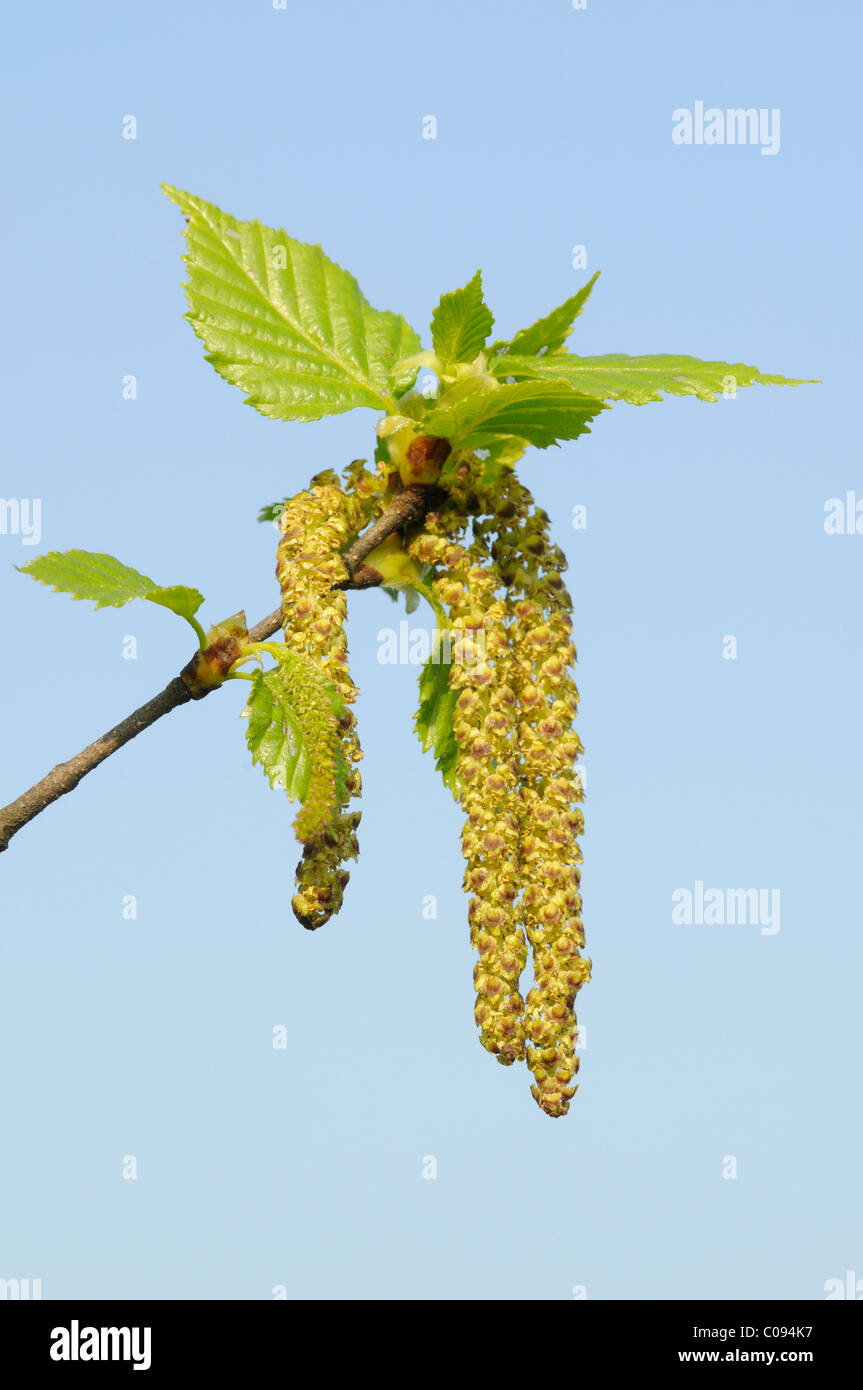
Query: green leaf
x: 275, y: 736
x: 410, y: 596
x: 293, y: 732
x: 461, y: 323
x: 434, y: 719
x: 499, y: 458
x: 283, y: 322
x: 178, y: 598
x: 549, y: 334
x: 271, y: 512
x: 638, y: 379
x: 84, y: 574
x: 540, y: 412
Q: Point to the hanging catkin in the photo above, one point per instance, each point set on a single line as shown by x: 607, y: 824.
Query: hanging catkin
x: 538, y: 608
x: 482, y: 673
x: 316, y: 525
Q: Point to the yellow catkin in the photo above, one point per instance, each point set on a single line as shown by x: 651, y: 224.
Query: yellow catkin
x: 482, y: 673
x: 316, y: 525
x: 538, y: 608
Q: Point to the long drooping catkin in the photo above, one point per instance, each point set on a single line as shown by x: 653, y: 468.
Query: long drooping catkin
x: 484, y: 727
x: 316, y: 525
x: 538, y: 607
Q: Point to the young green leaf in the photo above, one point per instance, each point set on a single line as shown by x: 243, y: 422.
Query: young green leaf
x: 275, y: 736
x: 499, y: 457
x: 540, y: 412
x: 461, y: 323
x: 271, y: 512
x: 285, y: 323
x: 410, y: 596
x: 84, y: 574
x: 549, y: 334
x: 434, y: 719
x: 293, y: 732
x: 178, y: 598
x: 638, y: 379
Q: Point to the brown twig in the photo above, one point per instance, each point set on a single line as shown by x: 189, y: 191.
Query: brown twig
x: 406, y: 507
x: 66, y: 776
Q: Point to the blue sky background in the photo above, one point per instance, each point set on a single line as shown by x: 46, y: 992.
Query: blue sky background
x: 153, y: 1037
